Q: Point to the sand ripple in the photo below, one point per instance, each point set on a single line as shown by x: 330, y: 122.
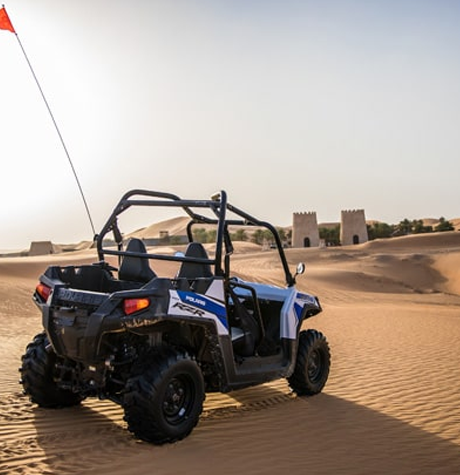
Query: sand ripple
x: 391, y: 405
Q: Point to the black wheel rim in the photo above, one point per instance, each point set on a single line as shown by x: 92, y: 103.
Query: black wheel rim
x: 178, y: 399
x: 315, y: 366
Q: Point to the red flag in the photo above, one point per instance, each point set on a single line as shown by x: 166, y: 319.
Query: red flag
x: 5, y: 23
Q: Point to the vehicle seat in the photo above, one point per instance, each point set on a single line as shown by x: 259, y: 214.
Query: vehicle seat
x: 136, y: 268
x: 195, y: 270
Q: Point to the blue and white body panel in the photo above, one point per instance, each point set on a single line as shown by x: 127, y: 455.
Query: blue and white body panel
x: 210, y: 306
x: 292, y: 312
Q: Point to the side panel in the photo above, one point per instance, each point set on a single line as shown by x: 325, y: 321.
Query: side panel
x: 210, y: 306
x: 254, y: 370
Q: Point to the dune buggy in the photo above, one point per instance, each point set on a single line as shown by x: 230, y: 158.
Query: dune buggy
x: 155, y: 345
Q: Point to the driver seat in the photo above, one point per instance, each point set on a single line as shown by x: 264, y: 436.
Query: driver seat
x: 136, y: 268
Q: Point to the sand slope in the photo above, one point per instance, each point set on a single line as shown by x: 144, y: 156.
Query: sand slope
x: 391, y: 405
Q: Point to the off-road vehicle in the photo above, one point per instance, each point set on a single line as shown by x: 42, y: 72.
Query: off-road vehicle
x: 155, y: 344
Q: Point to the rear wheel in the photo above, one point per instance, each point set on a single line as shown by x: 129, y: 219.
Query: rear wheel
x: 312, y: 364
x: 38, y: 369
x: 164, y: 397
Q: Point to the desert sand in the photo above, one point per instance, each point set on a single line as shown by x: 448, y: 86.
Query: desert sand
x: 391, y: 405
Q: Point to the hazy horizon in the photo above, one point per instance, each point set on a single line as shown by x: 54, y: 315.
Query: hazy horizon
x: 288, y: 106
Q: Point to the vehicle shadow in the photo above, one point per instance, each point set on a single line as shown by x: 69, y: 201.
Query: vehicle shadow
x: 322, y: 435
x: 325, y: 434
x: 251, y: 398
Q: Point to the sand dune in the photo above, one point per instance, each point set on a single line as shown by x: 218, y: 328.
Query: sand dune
x: 174, y: 226
x: 391, y: 405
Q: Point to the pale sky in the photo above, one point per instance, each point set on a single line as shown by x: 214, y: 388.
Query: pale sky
x: 309, y: 105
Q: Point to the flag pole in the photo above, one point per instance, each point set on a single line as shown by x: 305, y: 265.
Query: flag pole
x: 57, y: 129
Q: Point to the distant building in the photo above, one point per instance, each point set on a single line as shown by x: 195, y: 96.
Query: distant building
x: 305, y: 231
x: 164, y: 237
x: 353, y: 229
x: 41, y: 248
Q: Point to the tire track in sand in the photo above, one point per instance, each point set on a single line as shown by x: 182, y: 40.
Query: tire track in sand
x: 75, y: 440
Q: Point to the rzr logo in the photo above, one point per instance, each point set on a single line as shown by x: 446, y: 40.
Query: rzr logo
x: 188, y: 308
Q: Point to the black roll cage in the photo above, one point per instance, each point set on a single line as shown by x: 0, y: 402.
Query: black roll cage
x: 218, y: 204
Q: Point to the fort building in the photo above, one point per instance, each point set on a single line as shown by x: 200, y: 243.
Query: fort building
x: 353, y: 229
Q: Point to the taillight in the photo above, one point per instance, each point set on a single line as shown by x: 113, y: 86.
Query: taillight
x: 134, y: 305
x: 43, y: 290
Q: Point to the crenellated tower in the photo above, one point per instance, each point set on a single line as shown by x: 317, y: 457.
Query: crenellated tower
x: 353, y: 229
x: 305, y: 231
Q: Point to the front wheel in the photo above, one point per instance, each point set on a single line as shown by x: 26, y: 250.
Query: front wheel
x: 164, y: 397
x: 312, y: 364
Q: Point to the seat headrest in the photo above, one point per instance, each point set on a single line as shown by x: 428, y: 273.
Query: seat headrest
x: 194, y: 270
x: 135, y: 268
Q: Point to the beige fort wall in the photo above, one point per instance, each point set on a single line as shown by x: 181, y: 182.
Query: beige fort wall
x: 41, y: 248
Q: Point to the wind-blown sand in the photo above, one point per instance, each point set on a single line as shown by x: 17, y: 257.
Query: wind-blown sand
x: 391, y: 405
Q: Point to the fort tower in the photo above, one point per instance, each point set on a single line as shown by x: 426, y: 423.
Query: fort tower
x: 353, y: 229
x: 305, y: 231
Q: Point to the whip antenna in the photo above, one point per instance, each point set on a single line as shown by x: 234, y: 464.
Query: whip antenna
x: 5, y: 24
